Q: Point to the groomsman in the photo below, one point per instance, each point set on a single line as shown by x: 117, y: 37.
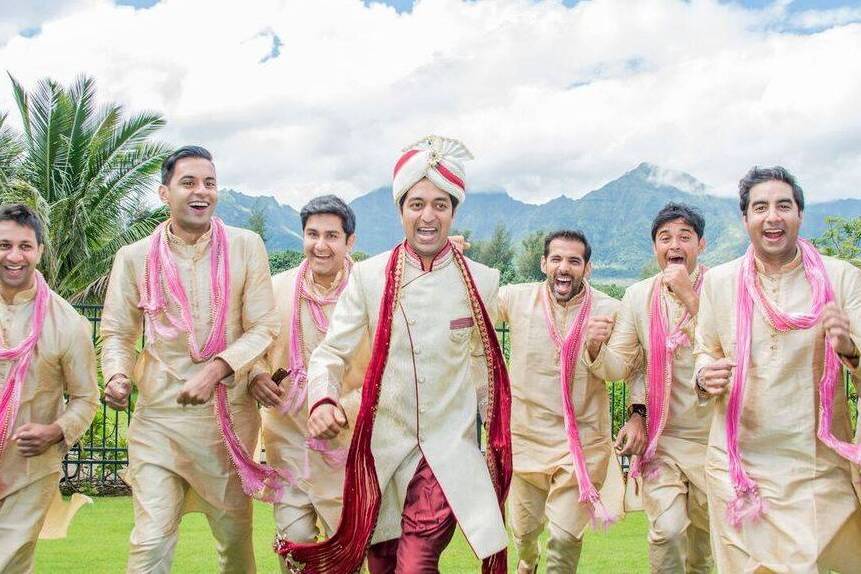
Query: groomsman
x: 774, y: 328
x: 204, y: 292
x: 46, y: 352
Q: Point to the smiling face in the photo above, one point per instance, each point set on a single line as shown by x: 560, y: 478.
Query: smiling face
x: 676, y: 243
x: 426, y: 215
x: 326, y: 245
x: 20, y: 253
x: 565, y: 267
x: 772, y: 220
x: 191, y: 195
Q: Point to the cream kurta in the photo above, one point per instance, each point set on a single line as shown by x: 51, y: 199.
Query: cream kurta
x: 186, y: 441
x: 806, y: 486
x: 284, y: 435
x: 428, y: 397
x: 538, y: 436
x: 676, y: 497
x: 63, y: 361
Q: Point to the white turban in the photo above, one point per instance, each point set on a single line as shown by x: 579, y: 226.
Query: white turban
x: 437, y: 158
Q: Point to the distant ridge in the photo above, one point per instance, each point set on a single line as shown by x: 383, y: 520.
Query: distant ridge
x: 616, y: 218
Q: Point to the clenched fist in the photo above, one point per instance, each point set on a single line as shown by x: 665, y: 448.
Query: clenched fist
x: 715, y: 378
x: 597, y: 333
x: 117, y: 392
x: 327, y: 421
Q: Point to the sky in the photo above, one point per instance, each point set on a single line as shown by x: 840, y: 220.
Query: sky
x: 301, y: 97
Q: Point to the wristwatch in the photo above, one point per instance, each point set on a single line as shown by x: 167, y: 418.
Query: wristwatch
x: 637, y: 409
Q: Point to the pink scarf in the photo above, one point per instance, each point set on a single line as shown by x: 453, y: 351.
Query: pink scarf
x: 659, y: 368
x: 569, y: 350
x: 298, y: 393
x: 161, y: 270
x: 748, y: 503
x: 21, y: 354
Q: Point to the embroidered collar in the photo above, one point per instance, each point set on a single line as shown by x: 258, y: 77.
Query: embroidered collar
x: 441, y: 259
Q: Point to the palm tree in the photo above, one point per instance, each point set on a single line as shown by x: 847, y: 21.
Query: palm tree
x: 87, y: 172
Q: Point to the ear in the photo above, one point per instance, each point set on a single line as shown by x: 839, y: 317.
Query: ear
x: 587, y: 272
x: 351, y: 242
x: 40, y: 251
x: 163, y: 193
x: 544, y: 265
x: 702, y: 244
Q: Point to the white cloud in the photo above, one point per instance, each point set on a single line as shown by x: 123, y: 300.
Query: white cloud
x: 550, y: 100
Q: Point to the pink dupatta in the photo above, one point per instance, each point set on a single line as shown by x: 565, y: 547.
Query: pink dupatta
x: 748, y: 503
x: 21, y: 355
x: 298, y: 392
x: 162, y: 274
x: 569, y: 350
x: 662, y: 344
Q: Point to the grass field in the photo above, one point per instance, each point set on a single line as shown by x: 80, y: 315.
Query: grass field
x: 98, y: 541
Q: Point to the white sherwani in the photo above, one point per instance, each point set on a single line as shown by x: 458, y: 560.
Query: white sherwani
x: 428, y: 397
x: 813, y: 518
x: 284, y: 435
x: 63, y: 362
x: 674, y: 500
x: 177, y: 459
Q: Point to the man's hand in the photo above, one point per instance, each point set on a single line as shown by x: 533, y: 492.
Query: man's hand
x: 676, y: 277
x: 198, y: 389
x: 715, y: 378
x: 327, y: 421
x: 597, y: 333
x: 265, y: 391
x: 631, y: 439
x: 33, y: 439
x: 836, y: 324
x: 117, y: 392
x: 459, y: 242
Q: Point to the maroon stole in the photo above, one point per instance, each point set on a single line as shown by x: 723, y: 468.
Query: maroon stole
x: 344, y: 552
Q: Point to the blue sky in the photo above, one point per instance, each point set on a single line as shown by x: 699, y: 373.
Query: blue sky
x: 296, y: 98
x: 405, y: 5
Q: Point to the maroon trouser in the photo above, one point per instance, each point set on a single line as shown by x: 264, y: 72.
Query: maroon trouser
x: 427, y: 525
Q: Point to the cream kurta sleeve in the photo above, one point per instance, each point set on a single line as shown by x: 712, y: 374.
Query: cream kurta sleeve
x: 503, y: 303
x: 852, y: 306
x: 622, y: 354
x: 122, y: 322
x: 259, y: 323
x: 707, y: 345
x: 79, y: 383
x: 348, y: 330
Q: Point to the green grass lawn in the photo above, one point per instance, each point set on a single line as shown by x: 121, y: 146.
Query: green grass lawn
x: 98, y: 541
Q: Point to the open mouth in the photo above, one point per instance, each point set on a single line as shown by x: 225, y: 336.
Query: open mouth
x: 562, y: 284
x: 676, y: 260
x: 426, y: 233
x: 198, y: 206
x: 773, y: 234
x: 14, y: 270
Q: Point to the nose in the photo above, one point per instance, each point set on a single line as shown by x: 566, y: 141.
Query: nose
x: 427, y: 214
x: 773, y: 215
x: 15, y: 255
x: 319, y: 244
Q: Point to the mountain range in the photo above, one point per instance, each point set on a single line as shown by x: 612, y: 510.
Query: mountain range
x: 616, y: 218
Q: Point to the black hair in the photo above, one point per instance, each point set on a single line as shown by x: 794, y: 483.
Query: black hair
x: 758, y: 175
x: 569, y: 235
x: 673, y: 211
x: 23, y: 216
x: 184, y: 152
x: 333, y: 205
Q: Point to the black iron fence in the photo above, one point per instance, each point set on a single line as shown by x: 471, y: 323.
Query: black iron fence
x: 95, y: 464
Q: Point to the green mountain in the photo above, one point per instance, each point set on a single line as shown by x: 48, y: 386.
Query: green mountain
x: 616, y: 217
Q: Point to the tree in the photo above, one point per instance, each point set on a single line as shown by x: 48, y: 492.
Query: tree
x: 842, y: 239
x: 283, y: 260
x: 496, y: 252
x: 86, y: 172
x: 257, y: 222
x: 528, y: 262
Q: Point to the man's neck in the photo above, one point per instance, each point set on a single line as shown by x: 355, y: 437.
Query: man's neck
x: 773, y: 264
x: 325, y: 281
x: 189, y: 236
x: 9, y: 293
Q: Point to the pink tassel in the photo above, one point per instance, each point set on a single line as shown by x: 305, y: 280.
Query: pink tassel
x: 746, y: 506
x: 334, y: 457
